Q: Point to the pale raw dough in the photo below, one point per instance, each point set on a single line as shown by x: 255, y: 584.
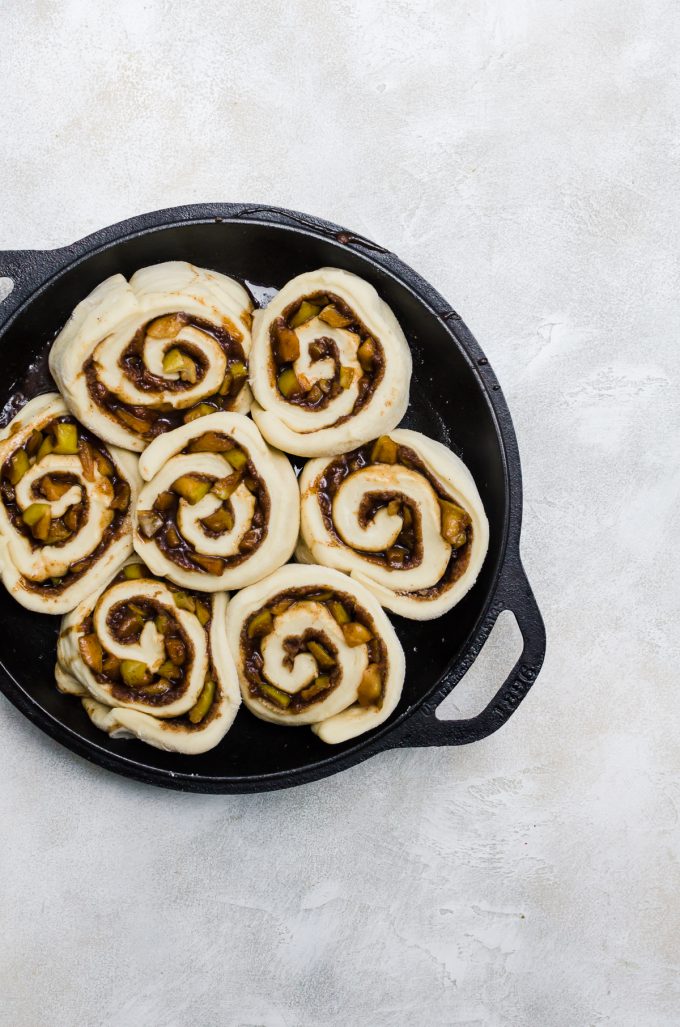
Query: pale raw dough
x: 318, y: 432
x: 339, y: 717
x: 152, y: 723
x: 394, y: 588
x: 104, y: 323
x: 163, y: 462
x: 22, y: 564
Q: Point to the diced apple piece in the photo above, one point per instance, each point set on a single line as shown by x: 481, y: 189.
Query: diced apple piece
x: 66, y: 438
x: 191, y: 488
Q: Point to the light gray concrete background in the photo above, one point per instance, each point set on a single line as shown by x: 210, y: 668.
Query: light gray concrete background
x: 523, y: 156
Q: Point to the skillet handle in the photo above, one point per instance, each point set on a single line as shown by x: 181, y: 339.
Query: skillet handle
x: 27, y: 269
x: 18, y: 264
x: 514, y: 593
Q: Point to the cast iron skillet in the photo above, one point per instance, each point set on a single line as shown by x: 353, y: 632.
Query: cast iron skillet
x: 454, y: 398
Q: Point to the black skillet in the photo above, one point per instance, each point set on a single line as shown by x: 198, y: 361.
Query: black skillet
x: 454, y: 398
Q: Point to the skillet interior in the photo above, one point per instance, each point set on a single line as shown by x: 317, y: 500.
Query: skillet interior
x: 448, y: 402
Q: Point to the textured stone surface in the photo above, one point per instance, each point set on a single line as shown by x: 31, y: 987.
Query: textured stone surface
x: 523, y: 157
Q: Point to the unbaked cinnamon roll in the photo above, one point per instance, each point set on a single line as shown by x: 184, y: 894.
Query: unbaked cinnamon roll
x: 150, y: 661
x: 220, y: 510
x: 65, y: 507
x: 314, y: 647
x: 139, y: 358
x: 403, y: 516
x: 330, y: 366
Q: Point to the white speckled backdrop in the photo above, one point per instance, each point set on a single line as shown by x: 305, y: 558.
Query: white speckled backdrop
x: 522, y: 155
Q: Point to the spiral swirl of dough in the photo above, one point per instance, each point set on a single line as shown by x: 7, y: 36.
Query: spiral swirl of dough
x: 220, y: 509
x: 330, y: 366
x: 65, y: 507
x: 314, y: 647
x: 116, y: 652
x: 139, y: 358
x: 403, y: 516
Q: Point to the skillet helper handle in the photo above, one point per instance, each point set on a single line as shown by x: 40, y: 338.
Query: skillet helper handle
x: 27, y: 269
x: 514, y: 593
x: 18, y: 264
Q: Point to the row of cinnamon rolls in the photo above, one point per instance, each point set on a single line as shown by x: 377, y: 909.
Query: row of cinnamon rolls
x: 322, y: 368
x: 304, y: 646
x: 212, y: 507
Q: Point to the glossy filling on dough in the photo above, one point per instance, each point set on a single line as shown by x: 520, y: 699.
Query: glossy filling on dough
x: 310, y: 638
x: 406, y: 551
x: 238, y: 497
x: 60, y: 437
x: 184, y: 368
x: 160, y: 654
x: 350, y: 354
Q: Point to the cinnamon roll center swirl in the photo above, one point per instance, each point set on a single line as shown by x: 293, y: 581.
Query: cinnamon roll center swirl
x: 175, y: 368
x: 386, y: 524
x: 215, y: 513
x: 58, y: 483
x: 321, y: 351
x: 300, y: 646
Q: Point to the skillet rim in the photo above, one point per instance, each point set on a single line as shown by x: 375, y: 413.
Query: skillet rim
x: 34, y: 271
